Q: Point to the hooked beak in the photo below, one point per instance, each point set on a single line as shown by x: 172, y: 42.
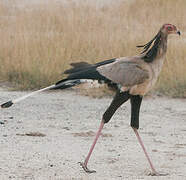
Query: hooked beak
x: 178, y: 32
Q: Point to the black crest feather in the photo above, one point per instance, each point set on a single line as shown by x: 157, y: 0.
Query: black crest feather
x: 151, y: 53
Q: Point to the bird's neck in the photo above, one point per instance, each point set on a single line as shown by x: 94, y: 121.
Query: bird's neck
x: 158, y: 61
x: 158, y: 50
x: 162, y: 48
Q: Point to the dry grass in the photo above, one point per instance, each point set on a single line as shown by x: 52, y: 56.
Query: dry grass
x: 38, y: 42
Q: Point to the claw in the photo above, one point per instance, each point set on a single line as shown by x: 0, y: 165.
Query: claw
x: 84, y: 166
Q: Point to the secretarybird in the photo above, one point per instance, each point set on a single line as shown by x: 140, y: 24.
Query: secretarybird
x: 132, y: 77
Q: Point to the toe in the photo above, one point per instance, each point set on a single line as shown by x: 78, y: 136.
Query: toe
x: 157, y: 174
x: 86, y: 168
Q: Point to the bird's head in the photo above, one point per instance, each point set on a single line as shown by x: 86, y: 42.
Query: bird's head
x: 169, y: 29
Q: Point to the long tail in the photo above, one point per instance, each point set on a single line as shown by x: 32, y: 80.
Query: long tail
x: 80, y: 73
x: 64, y: 85
x: 11, y: 102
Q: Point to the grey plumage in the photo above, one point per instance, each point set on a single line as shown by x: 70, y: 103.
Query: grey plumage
x: 124, y: 72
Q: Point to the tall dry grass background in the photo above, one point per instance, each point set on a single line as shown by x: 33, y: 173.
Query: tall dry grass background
x: 39, y: 41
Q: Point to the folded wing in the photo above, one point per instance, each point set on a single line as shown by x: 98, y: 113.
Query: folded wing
x: 126, y: 73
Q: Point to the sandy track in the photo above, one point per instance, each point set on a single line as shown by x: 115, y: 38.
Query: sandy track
x: 67, y: 123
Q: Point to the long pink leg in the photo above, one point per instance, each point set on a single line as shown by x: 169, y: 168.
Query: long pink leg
x: 84, y: 164
x: 154, y: 172
x: 144, y: 150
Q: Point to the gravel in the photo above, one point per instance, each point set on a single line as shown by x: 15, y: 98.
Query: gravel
x: 45, y: 136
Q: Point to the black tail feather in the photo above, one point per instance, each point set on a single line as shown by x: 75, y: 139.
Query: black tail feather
x: 83, y: 70
x: 7, y: 104
x: 81, y: 66
x: 65, y: 83
x: 77, y: 67
x: 87, y: 71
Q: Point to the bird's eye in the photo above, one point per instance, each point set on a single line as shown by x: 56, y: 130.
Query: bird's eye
x: 169, y: 28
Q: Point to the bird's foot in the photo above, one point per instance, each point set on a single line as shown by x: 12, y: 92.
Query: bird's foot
x: 84, y: 166
x: 154, y: 173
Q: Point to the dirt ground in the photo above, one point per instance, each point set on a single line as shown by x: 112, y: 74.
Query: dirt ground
x: 45, y: 136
